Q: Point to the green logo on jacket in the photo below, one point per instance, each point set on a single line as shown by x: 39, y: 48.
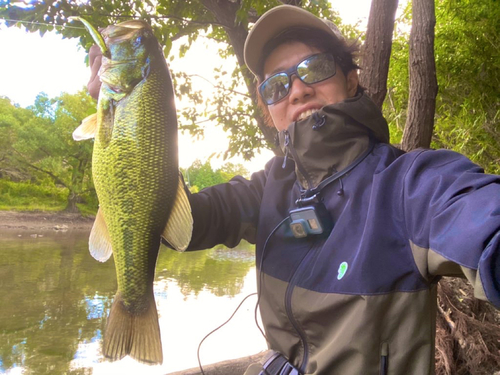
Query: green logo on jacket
x: 342, y: 270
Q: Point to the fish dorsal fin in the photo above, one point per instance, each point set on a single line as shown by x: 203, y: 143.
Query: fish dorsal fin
x: 180, y: 222
x: 87, y: 128
x: 99, y: 241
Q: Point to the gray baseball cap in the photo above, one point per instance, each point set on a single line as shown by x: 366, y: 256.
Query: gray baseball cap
x: 273, y: 23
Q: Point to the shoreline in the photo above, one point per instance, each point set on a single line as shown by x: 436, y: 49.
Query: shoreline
x: 44, y: 220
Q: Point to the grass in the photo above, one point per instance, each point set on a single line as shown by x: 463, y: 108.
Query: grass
x: 87, y: 210
x: 24, y: 196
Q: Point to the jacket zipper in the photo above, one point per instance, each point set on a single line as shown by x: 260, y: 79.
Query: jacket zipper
x: 288, y: 307
x: 384, y: 358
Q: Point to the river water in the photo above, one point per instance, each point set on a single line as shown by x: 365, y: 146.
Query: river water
x: 54, y: 300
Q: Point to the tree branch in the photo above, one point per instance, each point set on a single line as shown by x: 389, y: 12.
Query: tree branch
x: 220, y: 87
x: 56, y: 179
x: 242, y: 114
x: 169, y: 16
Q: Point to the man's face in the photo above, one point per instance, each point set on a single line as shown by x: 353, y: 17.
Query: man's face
x: 303, y: 100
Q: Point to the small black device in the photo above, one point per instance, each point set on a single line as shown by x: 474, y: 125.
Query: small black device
x: 277, y: 364
x: 311, y: 218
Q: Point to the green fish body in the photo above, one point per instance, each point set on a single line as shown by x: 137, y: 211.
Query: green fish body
x: 136, y: 176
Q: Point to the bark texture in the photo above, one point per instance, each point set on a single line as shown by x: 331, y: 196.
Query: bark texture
x: 376, y: 51
x: 423, y: 83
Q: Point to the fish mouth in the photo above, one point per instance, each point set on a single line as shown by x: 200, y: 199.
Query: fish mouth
x: 125, y: 31
x: 115, y: 33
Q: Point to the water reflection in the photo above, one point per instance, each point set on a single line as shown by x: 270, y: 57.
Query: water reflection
x: 55, y: 297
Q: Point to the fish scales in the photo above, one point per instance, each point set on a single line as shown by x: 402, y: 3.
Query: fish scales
x: 136, y: 176
x: 135, y: 171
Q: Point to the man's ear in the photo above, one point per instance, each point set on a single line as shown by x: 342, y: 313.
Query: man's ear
x: 352, y: 82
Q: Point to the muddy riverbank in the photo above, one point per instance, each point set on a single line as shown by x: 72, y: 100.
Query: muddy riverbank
x: 37, y: 220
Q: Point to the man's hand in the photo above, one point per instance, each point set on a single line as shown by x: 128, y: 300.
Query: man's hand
x: 95, y: 59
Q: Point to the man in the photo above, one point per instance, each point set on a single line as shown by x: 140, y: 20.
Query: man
x: 351, y: 233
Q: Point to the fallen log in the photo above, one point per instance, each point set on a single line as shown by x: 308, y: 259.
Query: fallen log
x: 229, y: 367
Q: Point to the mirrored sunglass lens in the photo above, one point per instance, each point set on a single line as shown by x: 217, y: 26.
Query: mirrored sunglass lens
x: 275, y: 88
x: 316, y: 68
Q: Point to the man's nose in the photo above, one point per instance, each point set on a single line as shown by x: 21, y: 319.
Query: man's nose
x: 299, y: 90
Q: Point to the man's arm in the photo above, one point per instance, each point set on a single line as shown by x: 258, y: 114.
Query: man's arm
x: 227, y: 213
x: 452, y: 215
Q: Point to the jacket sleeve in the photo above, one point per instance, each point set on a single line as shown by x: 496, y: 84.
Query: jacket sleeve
x: 452, y: 215
x: 227, y: 213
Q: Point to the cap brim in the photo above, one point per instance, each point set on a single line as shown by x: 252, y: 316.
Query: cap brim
x: 273, y: 23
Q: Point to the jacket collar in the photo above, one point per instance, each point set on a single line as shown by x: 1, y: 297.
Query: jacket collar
x: 331, y: 139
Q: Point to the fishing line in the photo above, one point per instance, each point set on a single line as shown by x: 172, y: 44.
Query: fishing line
x: 42, y: 23
x: 115, y: 16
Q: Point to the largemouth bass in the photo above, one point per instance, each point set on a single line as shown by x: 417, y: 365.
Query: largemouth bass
x: 137, y: 180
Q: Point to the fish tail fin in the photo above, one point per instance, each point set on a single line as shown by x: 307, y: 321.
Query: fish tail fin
x: 137, y: 335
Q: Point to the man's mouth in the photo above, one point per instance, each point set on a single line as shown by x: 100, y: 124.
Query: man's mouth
x: 306, y: 114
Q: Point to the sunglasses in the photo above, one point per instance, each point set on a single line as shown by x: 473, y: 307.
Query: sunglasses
x: 314, y: 69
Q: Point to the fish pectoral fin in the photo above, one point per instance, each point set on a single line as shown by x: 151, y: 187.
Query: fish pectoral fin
x: 87, y: 128
x: 99, y: 241
x: 180, y: 223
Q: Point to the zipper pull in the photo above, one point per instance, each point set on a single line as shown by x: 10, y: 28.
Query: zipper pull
x: 287, y: 142
x: 319, y: 121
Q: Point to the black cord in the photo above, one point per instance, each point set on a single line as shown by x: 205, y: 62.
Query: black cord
x: 261, y: 263
x: 244, y: 299
x: 219, y: 327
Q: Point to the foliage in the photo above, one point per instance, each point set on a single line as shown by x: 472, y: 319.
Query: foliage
x: 224, y: 24
x: 43, y: 168
x: 468, y: 72
x: 11, y: 118
x: 229, y: 170
x: 468, y: 60
x: 201, y: 175
x: 26, y: 196
x: 40, y: 147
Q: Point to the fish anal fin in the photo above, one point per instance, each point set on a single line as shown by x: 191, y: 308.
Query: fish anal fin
x: 179, y: 227
x: 99, y: 240
x: 134, y: 334
x: 87, y: 129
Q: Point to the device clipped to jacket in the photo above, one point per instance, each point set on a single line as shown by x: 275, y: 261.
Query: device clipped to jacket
x: 311, y: 218
x: 277, y: 364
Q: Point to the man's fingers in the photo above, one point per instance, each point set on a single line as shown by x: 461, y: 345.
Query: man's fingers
x: 94, y: 52
x: 95, y: 59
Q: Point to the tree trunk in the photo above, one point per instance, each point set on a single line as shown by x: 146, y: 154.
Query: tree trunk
x: 376, y: 51
x: 466, y: 329
x: 225, y: 13
x: 73, y: 199
x: 78, y: 172
x: 423, y: 83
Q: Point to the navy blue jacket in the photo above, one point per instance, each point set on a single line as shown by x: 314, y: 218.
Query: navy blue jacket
x: 361, y: 299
